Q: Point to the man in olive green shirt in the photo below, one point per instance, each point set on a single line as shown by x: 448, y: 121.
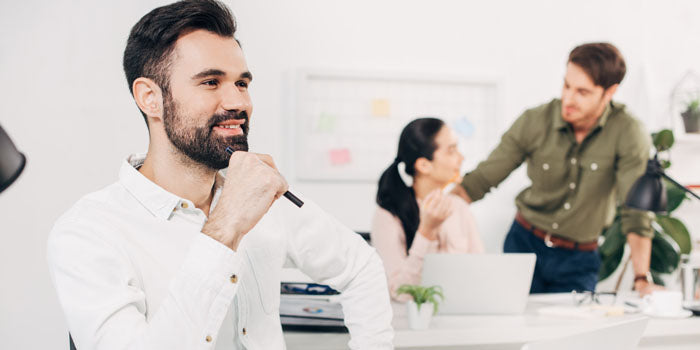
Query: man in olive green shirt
x: 583, y: 153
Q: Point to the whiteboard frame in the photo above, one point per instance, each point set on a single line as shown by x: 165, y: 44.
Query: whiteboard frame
x: 302, y: 76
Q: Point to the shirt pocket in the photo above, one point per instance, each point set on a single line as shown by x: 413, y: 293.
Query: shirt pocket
x: 547, y: 172
x: 598, y: 173
x: 267, y: 272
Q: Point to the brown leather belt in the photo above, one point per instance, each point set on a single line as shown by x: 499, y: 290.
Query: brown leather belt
x: 555, y: 241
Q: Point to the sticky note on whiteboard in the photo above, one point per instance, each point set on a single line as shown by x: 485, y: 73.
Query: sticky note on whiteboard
x: 326, y: 122
x: 464, y: 127
x: 381, y: 107
x: 339, y: 156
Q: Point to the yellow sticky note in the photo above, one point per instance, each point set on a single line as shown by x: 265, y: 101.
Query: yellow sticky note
x: 380, y: 107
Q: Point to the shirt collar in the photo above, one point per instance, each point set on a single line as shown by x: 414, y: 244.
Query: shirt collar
x: 559, y: 123
x: 154, y: 198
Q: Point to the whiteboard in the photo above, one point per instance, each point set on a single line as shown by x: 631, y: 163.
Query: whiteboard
x: 347, y: 125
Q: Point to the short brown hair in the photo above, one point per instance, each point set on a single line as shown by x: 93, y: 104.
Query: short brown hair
x: 601, y: 61
x: 152, y: 40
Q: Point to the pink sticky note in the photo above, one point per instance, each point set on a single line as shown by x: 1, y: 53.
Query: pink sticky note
x: 339, y: 156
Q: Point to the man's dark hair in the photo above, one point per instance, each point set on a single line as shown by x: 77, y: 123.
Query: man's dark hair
x: 149, y: 49
x: 601, y: 61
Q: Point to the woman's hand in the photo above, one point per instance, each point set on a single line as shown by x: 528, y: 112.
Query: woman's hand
x: 434, y: 209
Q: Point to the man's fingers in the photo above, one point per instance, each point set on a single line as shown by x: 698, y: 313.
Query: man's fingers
x: 267, y: 159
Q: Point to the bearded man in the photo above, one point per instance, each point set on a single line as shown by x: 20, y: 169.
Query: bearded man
x: 176, y: 256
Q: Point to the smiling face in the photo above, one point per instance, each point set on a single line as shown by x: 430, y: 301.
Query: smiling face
x: 207, y: 106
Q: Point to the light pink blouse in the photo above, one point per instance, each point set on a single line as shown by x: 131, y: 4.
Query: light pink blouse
x: 457, y: 234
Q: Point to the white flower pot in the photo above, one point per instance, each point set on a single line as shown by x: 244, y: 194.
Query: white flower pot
x: 419, y: 318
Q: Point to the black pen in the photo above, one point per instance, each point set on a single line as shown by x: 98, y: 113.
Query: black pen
x: 294, y: 199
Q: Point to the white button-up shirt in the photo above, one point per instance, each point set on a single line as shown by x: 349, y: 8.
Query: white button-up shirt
x: 133, y: 271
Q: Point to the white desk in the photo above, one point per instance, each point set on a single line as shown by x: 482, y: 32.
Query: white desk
x: 507, y: 332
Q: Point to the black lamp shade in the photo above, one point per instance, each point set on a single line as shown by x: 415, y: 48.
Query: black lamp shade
x: 11, y: 161
x: 649, y: 191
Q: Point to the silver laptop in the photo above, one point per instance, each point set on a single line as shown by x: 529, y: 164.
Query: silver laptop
x: 480, y: 283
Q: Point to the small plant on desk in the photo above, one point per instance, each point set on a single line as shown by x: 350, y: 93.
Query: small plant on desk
x: 419, y: 317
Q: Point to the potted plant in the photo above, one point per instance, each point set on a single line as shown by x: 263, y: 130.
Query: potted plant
x: 671, y: 237
x: 419, y: 314
x: 691, y: 116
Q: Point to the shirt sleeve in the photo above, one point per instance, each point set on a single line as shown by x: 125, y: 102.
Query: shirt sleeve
x: 102, y: 293
x: 632, y: 160
x: 505, y: 158
x: 332, y: 254
x: 389, y: 239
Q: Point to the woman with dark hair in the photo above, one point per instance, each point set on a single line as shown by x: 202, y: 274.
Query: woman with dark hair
x: 416, y: 219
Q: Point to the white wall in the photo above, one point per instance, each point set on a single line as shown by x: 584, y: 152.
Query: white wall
x: 66, y: 104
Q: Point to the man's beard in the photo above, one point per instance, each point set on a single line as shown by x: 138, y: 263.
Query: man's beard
x: 585, y: 114
x: 201, y: 144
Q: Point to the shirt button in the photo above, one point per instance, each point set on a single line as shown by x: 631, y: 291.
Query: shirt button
x: 594, y: 166
x: 572, y: 185
x: 183, y: 205
x: 208, y: 339
x: 567, y: 206
x: 555, y: 226
x: 244, y: 331
x: 545, y: 166
x: 573, y: 160
x: 234, y: 278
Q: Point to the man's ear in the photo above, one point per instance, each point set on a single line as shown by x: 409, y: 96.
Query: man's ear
x: 149, y: 97
x: 423, y: 166
x: 609, y: 92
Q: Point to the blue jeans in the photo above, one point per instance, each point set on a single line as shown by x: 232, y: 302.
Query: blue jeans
x: 557, y: 269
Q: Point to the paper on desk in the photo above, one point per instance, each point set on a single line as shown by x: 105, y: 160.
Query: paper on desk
x: 582, y: 312
x: 311, y: 306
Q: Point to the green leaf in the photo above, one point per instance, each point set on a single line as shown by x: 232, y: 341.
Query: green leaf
x: 663, y: 140
x: 614, y: 239
x: 422, y: 295
x: 609, y: 263
x: 674, y: 195
x: 612, y: 249
x: 656, y: 277
x: 665, y: 253
x: 677, y: 231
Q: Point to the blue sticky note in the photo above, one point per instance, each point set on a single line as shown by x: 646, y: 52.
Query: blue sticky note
x: 464, y: 127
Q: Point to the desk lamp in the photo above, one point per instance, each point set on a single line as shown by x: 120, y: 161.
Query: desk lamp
x: 11, y: 161
x: 649, y: 191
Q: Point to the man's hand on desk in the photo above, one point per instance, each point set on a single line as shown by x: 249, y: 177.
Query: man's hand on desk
x: 644, y: 287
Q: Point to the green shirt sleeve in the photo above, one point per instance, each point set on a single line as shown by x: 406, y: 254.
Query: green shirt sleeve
x: 633, y: 155
x: 505, y: 158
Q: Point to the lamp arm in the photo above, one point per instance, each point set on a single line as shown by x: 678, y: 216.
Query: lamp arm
x: 679, y: 185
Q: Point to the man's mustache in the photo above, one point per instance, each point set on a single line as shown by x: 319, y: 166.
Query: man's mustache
x: 222, y: 117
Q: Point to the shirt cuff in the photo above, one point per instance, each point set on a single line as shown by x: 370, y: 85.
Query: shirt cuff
x: 421, y: 245
x: 637, y: 221
x: 475, y: 185
x: 211, y: 263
